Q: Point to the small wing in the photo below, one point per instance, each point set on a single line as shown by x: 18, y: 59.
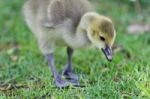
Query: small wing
x: 55, y: 14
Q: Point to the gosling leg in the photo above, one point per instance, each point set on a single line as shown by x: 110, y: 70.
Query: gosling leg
x: 59, y: 82
x: 68, y: 70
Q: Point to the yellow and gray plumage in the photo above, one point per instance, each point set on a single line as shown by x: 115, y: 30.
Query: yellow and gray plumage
x: 70, y: 23
x: 54, y: 21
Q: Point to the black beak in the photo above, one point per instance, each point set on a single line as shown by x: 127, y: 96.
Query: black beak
x: 108, y: 53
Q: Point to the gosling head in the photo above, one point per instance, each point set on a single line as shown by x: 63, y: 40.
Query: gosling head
x: 101, y: 33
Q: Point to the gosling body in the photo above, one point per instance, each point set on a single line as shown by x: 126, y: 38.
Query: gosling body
x: 54, y: 22
x: 70, y: 23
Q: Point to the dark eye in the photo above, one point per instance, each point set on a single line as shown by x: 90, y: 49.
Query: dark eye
x: 102, y: 38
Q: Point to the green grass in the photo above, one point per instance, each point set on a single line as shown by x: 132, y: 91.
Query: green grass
x: 126, y: 77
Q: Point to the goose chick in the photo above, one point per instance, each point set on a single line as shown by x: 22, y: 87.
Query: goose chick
x: 70, y: 23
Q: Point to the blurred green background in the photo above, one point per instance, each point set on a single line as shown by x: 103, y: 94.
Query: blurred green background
x: 24, y: 72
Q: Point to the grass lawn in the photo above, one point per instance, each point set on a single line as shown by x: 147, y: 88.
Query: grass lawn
x: 24, y: 72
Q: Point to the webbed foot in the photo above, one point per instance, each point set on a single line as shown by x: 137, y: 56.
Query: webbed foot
x: 60, y: 83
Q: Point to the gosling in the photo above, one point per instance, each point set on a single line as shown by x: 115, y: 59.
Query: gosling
x: 70, y: 23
